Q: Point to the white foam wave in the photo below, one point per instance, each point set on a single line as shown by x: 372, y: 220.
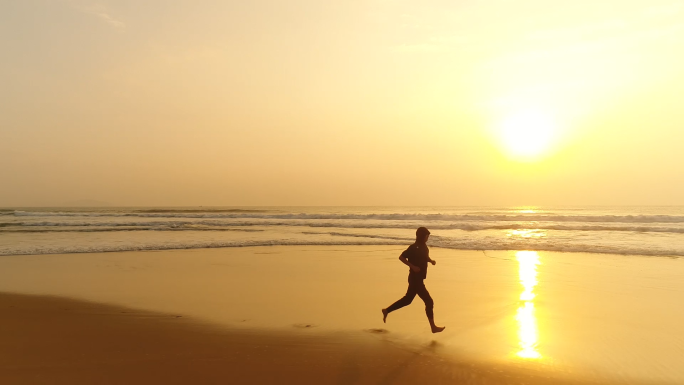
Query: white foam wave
x: 562, y: 230
x: 176, y: 246
x: 375, y: 241
x: 550, y: 217
x: 178, y: 225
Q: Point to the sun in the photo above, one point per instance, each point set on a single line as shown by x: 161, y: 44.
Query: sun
x: 527, y: 135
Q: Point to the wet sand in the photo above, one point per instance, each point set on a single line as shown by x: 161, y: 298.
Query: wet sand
x: 312, y: 315
x: 49, y: 340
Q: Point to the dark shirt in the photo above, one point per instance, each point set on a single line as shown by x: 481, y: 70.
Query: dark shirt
x: 418, y: 255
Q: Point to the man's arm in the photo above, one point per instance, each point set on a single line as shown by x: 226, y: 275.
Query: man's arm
x: 405, y: 261
x: 432, y: 261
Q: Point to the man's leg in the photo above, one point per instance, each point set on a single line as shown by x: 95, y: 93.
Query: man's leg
x: 422, y: 292
x: 403, y: 301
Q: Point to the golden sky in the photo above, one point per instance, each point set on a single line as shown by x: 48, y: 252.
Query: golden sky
x: 379, y: 102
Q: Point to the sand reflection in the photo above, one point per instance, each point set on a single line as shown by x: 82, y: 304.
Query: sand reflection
x: 528, y: 333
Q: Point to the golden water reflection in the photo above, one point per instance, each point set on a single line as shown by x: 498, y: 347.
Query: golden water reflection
x: 526, y: 233
x: 528, y: 333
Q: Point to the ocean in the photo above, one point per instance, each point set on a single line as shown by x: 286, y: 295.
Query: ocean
x: 646, y: 231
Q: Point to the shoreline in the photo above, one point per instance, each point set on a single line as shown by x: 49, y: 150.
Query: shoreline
x: 397, y: 244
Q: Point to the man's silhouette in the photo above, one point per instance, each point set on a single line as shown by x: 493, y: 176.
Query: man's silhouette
x: 416, y: 257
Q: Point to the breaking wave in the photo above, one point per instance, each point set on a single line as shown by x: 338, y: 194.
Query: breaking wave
x: 361, y: 240
x: 257, y: 214
x: 216, y: 225
x: 628, y: 231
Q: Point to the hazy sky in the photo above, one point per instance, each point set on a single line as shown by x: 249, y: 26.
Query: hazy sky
x: 379, y: 102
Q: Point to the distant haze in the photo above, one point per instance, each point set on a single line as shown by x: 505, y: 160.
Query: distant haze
x: 159, y: 103
x: 84, y: 203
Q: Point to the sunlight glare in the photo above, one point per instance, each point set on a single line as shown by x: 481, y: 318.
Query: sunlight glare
x: 527, y: 333
x: 526, y: 233
x: 527, y: 134
x: 527, y: 321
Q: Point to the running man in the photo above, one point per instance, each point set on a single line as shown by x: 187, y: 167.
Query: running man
x: 416, y: 257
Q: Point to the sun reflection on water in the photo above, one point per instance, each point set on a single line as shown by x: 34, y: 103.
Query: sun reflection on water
x: 527, y: 233
x: 528, y: 333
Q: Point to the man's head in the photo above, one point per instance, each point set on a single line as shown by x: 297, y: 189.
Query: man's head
x: 422, y: 235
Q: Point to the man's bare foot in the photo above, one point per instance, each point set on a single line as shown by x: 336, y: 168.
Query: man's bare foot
x: 384, y: 315
x: 437, y: 329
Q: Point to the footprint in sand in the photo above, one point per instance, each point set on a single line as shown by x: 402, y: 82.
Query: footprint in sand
x: 304, y: 326
x: 378, y: 331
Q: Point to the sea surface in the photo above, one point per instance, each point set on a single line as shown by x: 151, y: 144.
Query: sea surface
x: 646, y: 231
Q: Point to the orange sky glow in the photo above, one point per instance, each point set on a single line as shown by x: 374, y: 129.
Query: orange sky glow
x: 377, y: 102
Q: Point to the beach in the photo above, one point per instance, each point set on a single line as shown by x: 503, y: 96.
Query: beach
x: 49, y: 340
x: 220, y: 192
x: 311, y: 314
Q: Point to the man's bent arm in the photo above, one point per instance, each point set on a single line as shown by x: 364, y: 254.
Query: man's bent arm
x: 409, y: 264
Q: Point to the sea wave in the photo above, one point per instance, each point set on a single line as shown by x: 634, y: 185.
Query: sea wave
x: 630, y: 231
x: 119, y: 229
x: 177, y: 225
x: 550, y: 217
x: 176, y: 246
x: 358, y: 240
